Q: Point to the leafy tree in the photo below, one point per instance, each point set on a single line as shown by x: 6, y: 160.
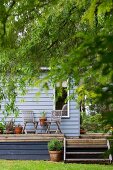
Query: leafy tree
x: 94, y: 123
x: 74, y: 38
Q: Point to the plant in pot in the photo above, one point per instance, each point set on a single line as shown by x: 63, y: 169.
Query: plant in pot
x: 18, y: 129
x: 10, y: 127
x: 2, y: 127
x: 82, y: 130
x: 43, y: 119
x: 55, y: 148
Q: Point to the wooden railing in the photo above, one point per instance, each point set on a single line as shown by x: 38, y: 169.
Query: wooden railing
x: 64, y: 149
x: 110, y: 155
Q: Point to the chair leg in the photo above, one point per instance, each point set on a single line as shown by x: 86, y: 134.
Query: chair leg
x: 48, y: 127
x: 58, y: 128
x: 24, y: 128
x: 35, y: 126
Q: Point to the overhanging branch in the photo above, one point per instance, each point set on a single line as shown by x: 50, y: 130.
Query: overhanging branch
x: 6, y: 18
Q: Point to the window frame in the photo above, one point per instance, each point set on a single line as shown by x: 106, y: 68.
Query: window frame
x: 54, y: 103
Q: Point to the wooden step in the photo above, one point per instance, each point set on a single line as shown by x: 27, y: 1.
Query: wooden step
x: 88, y: 160
x: 95, y: 136
x: 86, y: 150
x: 86, y: 141
x: 86, y: 146
x: 80, y: 153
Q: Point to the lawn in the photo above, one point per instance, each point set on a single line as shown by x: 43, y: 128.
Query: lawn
x: 46, y: 165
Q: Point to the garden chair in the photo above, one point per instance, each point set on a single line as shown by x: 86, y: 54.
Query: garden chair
x: 64, y: 110
x: 28, y: 118
x: 54, y: 120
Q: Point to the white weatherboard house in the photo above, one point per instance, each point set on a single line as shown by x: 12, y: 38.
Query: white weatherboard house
x: 70, y: 123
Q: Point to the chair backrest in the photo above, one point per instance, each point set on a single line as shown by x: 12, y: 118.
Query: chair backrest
x: 28, y: 116
x: 64, y: 110
x: 56, y: 115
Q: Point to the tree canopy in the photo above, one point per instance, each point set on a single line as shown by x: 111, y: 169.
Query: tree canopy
x: 74, y: 38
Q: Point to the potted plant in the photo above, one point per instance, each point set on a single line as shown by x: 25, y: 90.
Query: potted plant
x: 43, y: 119
x: 55, y: 148
x: 82, y: 130
x: 10, y: 127
x: 2, y: 127
x: 18, y: 129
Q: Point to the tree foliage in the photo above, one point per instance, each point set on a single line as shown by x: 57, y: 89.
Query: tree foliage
x: 74, y: 38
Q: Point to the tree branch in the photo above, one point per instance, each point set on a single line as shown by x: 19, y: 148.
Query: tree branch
x: 62, y: 25
x: 6, y: 17
x: 96, y: 13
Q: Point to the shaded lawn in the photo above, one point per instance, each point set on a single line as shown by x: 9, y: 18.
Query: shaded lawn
x: 46, y: 165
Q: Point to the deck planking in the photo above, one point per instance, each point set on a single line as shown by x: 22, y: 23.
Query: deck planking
x: 29, y: 137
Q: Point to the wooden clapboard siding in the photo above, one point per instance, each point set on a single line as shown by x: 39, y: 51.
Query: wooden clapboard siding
x: 33, y: 103
x: 71, y: 125
x: 44, y: 102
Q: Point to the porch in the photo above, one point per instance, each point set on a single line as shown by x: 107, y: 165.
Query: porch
x: 26, y: 146
x: 86, y: 148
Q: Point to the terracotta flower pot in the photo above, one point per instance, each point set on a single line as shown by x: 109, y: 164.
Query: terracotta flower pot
x: 1, y: 131
x: 8, y: 131
x: 18, y: 130
x: 42, y: 121
x: 82, y: 131
x: 55, y: 156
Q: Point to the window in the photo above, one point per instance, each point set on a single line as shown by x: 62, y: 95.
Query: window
x: 61, y: 94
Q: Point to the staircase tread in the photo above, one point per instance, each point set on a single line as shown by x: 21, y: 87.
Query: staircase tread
x: 86, y: 146
x: 84, y: 153
x: 85, y: 139
x: 83, y: 159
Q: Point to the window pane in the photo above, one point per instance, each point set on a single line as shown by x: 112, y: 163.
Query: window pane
x: 60, y: 98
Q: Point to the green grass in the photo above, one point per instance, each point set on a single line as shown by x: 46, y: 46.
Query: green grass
x: 46, y: 165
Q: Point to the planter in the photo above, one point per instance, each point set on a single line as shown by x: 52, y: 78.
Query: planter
x: 9, y: 131
x: 1, y: 131
x: 55, y: 156
x: 82, y: 131
x: 42, y: 121
x: 18, y: 130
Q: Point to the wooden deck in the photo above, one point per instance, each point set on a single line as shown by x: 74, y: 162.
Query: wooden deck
x: 29, y: 137
x: 26, y: 146
x: 34, y: 147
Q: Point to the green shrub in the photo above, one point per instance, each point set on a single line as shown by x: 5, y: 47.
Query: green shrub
x: 93, y: 123
x: 2, y: 126
x: 55, y: 145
